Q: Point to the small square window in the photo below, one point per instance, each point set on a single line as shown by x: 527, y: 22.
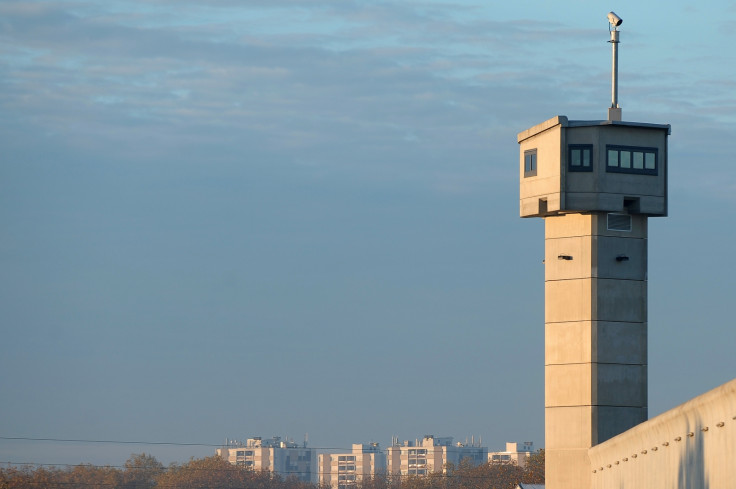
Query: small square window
x: 613, y: 158
x: 530, y: 163
x: 625, y: 159
x: 649, y: 161
x: 580, y: 157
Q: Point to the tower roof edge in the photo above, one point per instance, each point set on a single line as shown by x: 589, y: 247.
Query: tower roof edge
x: 558, y: 120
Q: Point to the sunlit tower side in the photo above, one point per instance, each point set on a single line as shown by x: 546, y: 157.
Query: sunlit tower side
x: 595, y: 184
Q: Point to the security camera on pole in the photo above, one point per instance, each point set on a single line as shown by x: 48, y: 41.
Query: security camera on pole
x: 614, y: 112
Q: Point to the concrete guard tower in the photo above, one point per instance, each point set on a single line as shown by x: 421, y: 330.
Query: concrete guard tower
x: 595, y: 184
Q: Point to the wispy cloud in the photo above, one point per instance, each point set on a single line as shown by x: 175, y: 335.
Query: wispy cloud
x: 394, y: 82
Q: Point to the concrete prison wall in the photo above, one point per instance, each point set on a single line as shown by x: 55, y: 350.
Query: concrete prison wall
x: 691, y: 446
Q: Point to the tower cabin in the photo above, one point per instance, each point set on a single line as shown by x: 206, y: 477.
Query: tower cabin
x: 593, y: 166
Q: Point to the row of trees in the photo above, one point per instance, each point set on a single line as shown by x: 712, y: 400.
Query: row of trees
x: 143, y: 471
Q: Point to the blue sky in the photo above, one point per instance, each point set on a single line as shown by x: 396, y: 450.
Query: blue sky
x: 233, y: 219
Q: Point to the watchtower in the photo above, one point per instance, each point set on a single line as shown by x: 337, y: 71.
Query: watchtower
x: 595, y: 184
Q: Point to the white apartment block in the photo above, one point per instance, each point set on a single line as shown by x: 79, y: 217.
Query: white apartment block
x: 285, y: 458
x: 516, y: 453
x: 346, y: 470
x: 431, y: 455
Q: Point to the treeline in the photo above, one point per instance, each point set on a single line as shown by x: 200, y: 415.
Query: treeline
x: 143, y: 471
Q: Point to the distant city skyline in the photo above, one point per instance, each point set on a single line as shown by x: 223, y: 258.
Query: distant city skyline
x: 220, y: 220
x: 127, y: 447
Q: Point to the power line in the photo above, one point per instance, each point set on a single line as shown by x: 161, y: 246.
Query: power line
x: 165, y: 443
x: 111, y: 442
x: 141, y: 442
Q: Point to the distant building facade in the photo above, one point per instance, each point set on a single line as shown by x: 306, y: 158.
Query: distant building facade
x: 431, y: 454
x: 516, y: 453
x: 346, y: 470
x: 282, y: 457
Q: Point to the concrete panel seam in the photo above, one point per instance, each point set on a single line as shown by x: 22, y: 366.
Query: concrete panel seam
x: 590, y: 277
x: 644, y: 194
x: 596, y: 235
x: 570, y: 236
x: 596, y: 321
x: 598, y: 363
x: 626, y: 406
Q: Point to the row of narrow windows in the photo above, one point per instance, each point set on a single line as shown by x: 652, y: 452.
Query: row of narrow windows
x: 619, y: 159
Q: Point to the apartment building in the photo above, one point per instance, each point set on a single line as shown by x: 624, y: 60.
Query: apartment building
x: 346, y: 470
x: 516, y: 453
x: 283, y: 457
x: 431, y: 454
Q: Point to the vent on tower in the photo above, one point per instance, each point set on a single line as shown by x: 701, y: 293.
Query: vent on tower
x: 619, y: 222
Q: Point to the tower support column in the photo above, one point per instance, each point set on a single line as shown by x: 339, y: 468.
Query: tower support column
x: 595, y: 337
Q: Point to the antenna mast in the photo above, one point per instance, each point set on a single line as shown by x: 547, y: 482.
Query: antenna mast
x: 614, y: 112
